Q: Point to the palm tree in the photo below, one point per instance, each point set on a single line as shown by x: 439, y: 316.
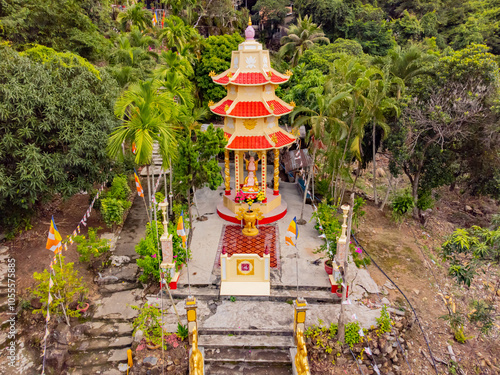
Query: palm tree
x: 407, y: 64
x: 175, y: 33
x: 146, y: 113
x: 135, y: 15
x: 323, y: 121
x: 300, y: 38
x: 379, y: 102
x: 177, y: 63
x: 181, y: 91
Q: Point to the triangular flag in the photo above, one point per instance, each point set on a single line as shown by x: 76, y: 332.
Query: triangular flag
x: 138, y: 185
x: 181, y: 232
x: 54, y: 239
x: 292, y: 233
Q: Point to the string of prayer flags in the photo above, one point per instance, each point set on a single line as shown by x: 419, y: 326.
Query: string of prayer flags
x: 78, y: 229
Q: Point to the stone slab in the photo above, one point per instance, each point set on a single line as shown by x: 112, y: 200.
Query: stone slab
x: 118, y: 306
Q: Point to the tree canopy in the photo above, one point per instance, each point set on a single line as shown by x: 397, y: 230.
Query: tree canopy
x: 56, y: 113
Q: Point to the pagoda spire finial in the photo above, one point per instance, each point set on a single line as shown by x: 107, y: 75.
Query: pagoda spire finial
x: 249, y: 32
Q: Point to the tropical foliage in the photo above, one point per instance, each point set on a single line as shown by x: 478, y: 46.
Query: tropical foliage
x: 55, y: 118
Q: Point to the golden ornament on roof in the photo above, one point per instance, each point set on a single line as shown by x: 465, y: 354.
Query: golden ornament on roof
x: 292, y: 104
x: 250, y: 124
x: 229, y: 74
x: 211, y: 103
x: 226, y: 107
x: 271, y: 106
x: 249, y: 21
x: 289, y: 73
x: 211, y: 74
x: 269, y: 73
x: 274, y: 138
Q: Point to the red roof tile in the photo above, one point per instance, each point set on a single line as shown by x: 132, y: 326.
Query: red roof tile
x: 279, y: 108
x: 283, y: 139
x: 258, y: 142
x: 250, y: 79
x: 277, y: 79
x: 220, y: 108
x: 249, y: 109
x: 222, y: 80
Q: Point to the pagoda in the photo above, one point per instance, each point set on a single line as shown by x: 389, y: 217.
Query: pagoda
x: 251, y: 111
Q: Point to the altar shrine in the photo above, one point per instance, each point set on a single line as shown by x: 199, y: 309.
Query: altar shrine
x: 251, y: 111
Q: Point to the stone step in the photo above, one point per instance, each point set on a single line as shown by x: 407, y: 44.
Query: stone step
x: 245, y: 341
x: 277, y: 295
x: 100, y: 329
x: 245, y: 332
x: 248, y: 356
x: 243, y: 369
x: 96, y: 344
x: 98, y: 359
x: 106, y: 369
x: 116, y: 275
x: 113, y: 288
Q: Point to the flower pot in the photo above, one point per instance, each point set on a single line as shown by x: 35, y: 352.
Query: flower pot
x: 83, y: 309
x: 328, y: 269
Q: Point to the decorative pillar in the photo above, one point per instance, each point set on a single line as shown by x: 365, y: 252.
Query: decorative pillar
x: 223, y: 265
x: 190, y: 306
x: 263, y: 168
x: 299, y: 316
x: 342, y: 245
x: 226, y: 172
x: 276, y: 171
x: 167, y: 265
x: 236, y: 172
x: 267, y: 264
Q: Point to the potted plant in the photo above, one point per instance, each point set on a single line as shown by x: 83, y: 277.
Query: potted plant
x: 82, y: 306
x: 339, y: 290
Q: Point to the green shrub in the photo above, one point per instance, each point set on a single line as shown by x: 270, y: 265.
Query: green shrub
x: 112, y: 210
x: 352, y: 333
x: 67, y: 288
x: 484, y: 314
x: 149, y: 250
x: 119, y: 188
x: 330, y: 226
x: 182, y: 331
x: 91, y: 245
x: 357, y: 211
x: 384, y: 322
x: 149, y: 322
x: 425, y: 201
x: 402, y: 204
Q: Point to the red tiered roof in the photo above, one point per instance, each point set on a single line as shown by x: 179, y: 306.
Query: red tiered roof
x: 249, y: 109
x: 283, y: 139
x: 279, y: 108
x: 220, y: 108
x: 253, y: 142
x: 250, y: 79
x: 277, y: 79
x: 222, y: 80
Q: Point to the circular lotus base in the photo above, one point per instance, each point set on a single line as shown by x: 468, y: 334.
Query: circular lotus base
x: 269, y: 217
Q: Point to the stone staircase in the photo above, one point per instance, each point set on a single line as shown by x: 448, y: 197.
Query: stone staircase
x: 256, y: 352
x: 156, y: 163
x: 278, y: 294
